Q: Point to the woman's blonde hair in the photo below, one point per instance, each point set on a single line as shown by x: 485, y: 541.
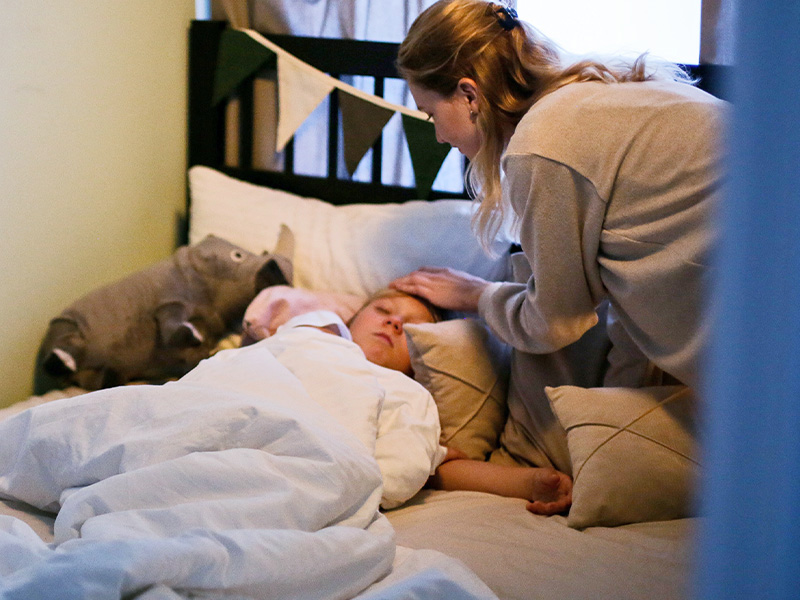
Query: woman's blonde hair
x: 514, y: 66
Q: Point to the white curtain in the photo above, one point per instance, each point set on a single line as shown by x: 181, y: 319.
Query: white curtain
x: 388, y: 20
x: 377, y: 20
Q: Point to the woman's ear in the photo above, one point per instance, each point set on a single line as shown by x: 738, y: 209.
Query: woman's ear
x: 469, y: 90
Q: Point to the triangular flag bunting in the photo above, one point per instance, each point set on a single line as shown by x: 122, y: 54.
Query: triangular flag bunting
x: 362, y: 123
x: 300, y: 90
x: 427, y: 155
x: 238, y: 58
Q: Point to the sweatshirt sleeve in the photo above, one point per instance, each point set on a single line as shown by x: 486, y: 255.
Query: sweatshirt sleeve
x: 561, y: 217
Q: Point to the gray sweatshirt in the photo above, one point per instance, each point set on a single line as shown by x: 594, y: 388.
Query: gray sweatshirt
x: 614, y: 186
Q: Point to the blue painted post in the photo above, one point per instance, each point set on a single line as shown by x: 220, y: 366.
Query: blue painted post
x: 749, y: 542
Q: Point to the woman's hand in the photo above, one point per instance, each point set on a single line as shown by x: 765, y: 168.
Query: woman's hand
x: 446, y: 288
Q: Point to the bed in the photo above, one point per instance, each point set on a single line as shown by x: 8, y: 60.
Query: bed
x: 628, y: 535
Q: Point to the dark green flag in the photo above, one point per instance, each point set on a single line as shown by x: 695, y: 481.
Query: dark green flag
x: 427, y: 155
x: 362, y: 123
x: 239, y: 57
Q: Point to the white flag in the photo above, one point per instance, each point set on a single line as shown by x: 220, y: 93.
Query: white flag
x: 301, y: 88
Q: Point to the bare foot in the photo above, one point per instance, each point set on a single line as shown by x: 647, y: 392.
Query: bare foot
x: 549, y: 491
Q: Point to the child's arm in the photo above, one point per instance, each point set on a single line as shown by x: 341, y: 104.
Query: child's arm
x: 548, y: 491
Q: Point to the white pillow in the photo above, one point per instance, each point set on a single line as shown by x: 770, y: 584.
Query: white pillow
x: 357, y: 248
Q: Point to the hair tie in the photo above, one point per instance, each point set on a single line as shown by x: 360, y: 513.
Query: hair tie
x: 507, y: 17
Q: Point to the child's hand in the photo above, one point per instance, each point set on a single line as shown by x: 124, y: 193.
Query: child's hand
x: 551, y: 492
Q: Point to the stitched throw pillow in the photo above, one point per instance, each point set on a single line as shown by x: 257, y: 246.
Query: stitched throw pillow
x: 633, y: 453
x: 465, y: 369
x: 358, y: 248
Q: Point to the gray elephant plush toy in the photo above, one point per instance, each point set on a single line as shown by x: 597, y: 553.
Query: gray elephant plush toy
x: 160, y: 322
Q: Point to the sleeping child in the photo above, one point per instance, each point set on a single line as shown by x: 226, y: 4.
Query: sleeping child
x: 285, y: 397
x: 377, y: 330
x: 260, y: 459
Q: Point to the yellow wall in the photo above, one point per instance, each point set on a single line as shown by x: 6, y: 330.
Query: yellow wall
x: 92, y: 156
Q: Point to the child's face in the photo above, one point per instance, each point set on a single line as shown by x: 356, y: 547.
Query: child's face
x: 378, y: 330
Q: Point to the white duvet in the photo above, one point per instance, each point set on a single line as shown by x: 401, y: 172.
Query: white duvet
x: 257, y: 475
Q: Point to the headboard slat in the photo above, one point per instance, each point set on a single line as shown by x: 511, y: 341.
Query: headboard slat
x: 377, y: 147
x: 333, y: 134
x: 246, y: 117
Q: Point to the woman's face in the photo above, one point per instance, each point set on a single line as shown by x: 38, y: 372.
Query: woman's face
x: 451, y: 117
x: 378, y: 330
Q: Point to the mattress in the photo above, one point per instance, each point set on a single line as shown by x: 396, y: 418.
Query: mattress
x: 522, y: 556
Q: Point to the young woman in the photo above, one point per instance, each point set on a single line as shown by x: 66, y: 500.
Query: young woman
x: 610, y: 171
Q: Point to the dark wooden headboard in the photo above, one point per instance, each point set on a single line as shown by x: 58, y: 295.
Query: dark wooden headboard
x: 337, y: 57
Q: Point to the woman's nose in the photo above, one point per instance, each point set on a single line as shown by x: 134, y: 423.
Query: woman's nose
x: 438, y: 135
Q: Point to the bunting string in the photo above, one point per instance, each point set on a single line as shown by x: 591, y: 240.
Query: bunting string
x: 332, y: 81
x: 302, y: 87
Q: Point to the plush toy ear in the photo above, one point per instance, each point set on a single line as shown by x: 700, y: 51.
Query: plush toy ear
x: 273, y: 273
x: 285, y: 244
x: 59, y: 363
x: 174, y: 328
x: 283, y: 253
x: 184, y: 335
x: 63, y: 348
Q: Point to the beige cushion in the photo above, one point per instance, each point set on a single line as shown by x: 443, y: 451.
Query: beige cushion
x: 466, y: 370
x: 633, y: 452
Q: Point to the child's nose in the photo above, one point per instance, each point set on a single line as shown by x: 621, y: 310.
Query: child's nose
x: 395, y: 323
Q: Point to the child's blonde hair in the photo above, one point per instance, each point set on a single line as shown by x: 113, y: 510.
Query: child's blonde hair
x: 435, y: 313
